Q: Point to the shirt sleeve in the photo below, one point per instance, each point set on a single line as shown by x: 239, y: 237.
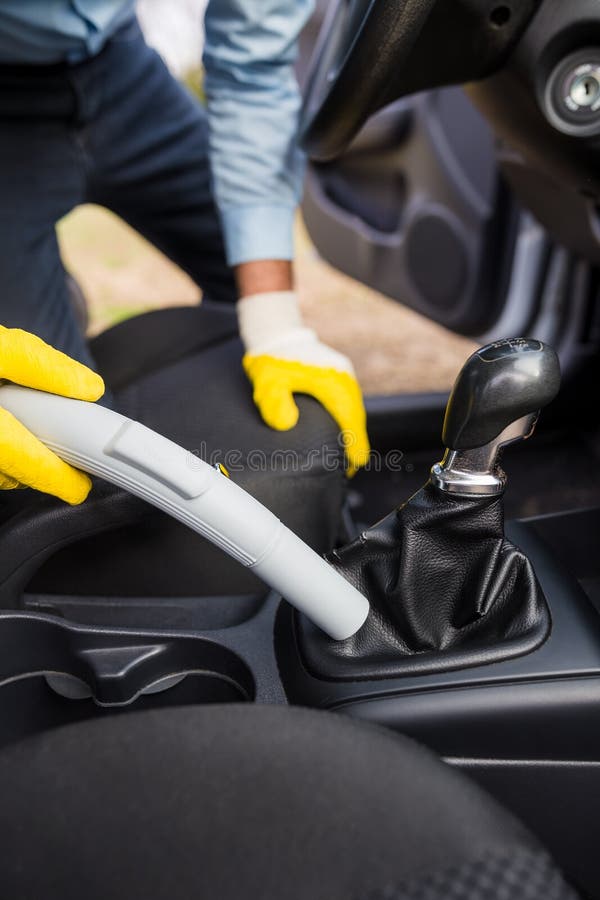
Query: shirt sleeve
x: 253, y: 102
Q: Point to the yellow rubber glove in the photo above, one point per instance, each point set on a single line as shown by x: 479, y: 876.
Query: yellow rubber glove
x: 284, y: 358
x: 24, y: 461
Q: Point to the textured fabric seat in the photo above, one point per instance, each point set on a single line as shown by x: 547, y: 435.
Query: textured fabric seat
x: 179, y: 371
x: 276, y: 803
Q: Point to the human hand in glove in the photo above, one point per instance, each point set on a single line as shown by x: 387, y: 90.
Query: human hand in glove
x: 24, y: 461
x: 284, y: 358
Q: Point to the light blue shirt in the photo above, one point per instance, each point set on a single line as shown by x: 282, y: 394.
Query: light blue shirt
x: 252, y: 96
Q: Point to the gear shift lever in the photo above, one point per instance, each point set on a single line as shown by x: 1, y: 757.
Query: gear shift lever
x: 495, y: 401
x: 446, y: 588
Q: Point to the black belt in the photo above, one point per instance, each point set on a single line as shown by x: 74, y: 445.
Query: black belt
x: 41, y: 92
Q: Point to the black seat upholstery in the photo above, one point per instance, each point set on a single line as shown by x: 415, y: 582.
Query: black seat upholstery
x: 230, y: 802
x: 179, y: 371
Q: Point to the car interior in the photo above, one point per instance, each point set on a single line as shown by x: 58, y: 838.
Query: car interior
x: 190, y: 705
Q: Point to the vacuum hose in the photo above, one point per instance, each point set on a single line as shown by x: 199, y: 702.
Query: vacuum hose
x: 111, y: 446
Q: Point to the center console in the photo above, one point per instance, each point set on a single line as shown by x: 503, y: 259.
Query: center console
x: 491, y: 658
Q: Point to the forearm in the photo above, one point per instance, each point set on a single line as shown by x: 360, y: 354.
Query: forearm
x: 253, y: 103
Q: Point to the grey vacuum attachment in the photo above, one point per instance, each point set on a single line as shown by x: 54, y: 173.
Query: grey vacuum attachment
x: 113, y: 447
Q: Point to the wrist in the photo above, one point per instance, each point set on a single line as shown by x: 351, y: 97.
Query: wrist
x: 264, y: 276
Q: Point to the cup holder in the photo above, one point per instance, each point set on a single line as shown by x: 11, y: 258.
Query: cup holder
x: 53, y: 672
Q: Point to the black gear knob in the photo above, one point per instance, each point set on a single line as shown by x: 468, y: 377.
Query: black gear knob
x: 495, y: 400
x: 496, y: 386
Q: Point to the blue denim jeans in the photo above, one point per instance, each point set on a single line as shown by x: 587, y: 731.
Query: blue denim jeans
x: 117, y: 130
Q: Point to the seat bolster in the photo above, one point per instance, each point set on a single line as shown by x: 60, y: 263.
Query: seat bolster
x: 247, y: 801
x: 149, y: 342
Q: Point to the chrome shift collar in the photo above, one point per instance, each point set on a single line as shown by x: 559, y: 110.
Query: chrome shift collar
x: 477, y: 471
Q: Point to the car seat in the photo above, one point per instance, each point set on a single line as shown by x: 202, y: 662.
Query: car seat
x: 253, y: 801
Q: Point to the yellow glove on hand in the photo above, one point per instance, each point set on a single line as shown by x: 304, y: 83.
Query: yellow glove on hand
x: 25, y: 359
x: 284, y: 358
